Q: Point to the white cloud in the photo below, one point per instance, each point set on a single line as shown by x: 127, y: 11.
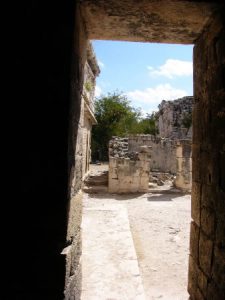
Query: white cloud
x: 172, y: 68
x: 156, y: 95
x: 101, y: 64
x: 98, y: 91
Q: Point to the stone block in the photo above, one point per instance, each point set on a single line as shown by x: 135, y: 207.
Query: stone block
x: 208, y: 221
x: 205, y: 253
x: 197, y: 133
x: 194, y: 241
x: 213, y: 292
x: 218, y: 268
x: 186, y: 164
x: 126, y: 162
x: 179, y: 152
x: 121, y: 172
x: 196, y: 161
x: 202, y: 281
x: 220, y: 219
x: 198, y: 295
x: 207, y: 196
x: 192, y: 277
x: 113, y: 162
x: 183, y: 181
x: 196, y: 202
x: 144, y: 184
x: 179, y: 164
x: 197, y: 281
x: 126, y: 171
x: 113, y: 185
x: 186, y: 149
x: 113, y: 173
x: 208, y: 168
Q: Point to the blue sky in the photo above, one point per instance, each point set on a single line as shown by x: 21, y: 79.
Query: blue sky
x: 146, y: 72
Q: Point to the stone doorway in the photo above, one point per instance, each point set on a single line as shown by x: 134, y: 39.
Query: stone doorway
x: 205, y: 33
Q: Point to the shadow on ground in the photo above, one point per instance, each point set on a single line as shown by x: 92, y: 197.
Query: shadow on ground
x: 160, y: 197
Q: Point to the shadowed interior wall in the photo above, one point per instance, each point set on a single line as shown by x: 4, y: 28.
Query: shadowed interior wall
x: 76, y: 153
x: 43, y: 38
x: 207, y: 245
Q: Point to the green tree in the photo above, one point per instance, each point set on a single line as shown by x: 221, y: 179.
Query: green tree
x: 115, y: 117
x: 147, y: 125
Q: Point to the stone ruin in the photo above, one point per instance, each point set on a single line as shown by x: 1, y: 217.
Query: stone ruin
x: 128, y: 170
x: 174, y: 118
x: 170, y: 152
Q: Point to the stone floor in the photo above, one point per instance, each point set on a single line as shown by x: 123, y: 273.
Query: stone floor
x: 135, y: 246
x: 109, y: 262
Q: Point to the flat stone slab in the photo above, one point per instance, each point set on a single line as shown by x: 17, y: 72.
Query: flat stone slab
x: 109, y: 263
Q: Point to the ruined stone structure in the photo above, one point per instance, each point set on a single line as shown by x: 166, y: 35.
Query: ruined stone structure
x: 163, y: 151
x: 174, y: 118
x: 87, y: 106
x: 170, y: 121
x: 174, y: 124
x: 184, y: 165
x: 171, y: 156
x: 128, y: 171
x: 50, y: 51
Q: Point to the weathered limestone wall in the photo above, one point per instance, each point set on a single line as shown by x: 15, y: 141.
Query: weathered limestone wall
x: 163, y: 151
x: 86, y: 145
x: 73, y: 250
x: 207, y: 244
x: 91, y: 71
x: 174, y: 118
x: 128, y: 171
x: 184, y: 165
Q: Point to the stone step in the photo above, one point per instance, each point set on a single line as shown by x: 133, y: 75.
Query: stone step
x: 109, y: 261
x: 95, y: 189
x: 96, y: 181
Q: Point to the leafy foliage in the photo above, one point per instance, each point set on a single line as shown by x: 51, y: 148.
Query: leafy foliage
x: 88, y: 85
x: 116, y: 117
x: 147, y: 125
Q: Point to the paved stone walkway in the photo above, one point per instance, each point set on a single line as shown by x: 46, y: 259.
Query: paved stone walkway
x: 109, y: 263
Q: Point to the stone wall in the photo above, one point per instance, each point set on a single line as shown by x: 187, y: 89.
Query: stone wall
x: 163, y: 151
x: 91, y: 71
x: 174, y: 118
x: 128, y: 171
x: 72, y: 251
x: 184, y: 165
x: 207, y: 244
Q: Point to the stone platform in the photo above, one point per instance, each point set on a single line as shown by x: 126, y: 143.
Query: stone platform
x: 109, y: 263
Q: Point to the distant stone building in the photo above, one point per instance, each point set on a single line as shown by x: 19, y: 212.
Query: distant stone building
x: 88, y: 119
x: 174, y: 118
